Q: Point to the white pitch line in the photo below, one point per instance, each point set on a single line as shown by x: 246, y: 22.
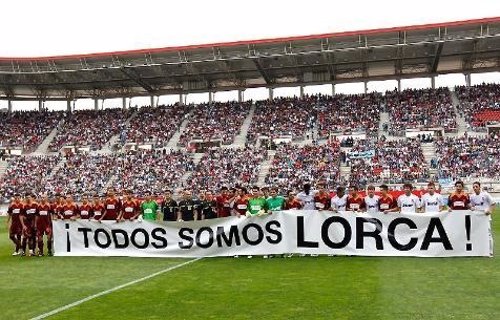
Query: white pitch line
x: 102, y: 293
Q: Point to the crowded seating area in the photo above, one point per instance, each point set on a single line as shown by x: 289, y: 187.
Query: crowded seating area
x: 227, y: 167
x: 282, y: 117
x: 479, y: 105
x: 294, y: 165
x: 468, y: 157
x: 155, y: 126
x: 216, y: 121
x: 82, y: 174
x: 346, y: 114
x: 420, y: 108
x: 26, y: 175
x: 90, y: 128
x: 27, y: 129
x: 394, y: 161
x: 151, y: 171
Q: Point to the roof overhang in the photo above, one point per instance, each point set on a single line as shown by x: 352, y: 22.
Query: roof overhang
x: 369, y: 55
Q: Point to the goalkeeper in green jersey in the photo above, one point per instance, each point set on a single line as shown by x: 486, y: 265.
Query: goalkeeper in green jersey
x: 274, y: 202
x: 256, y: 203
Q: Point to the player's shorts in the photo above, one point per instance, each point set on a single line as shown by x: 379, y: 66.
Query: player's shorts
x: 43, y: 228
x: 15, y: 228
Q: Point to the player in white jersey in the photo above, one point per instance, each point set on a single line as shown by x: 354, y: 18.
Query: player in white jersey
x: 339, y: 202
x: 432, y: 201
x: 408, y: 202
x: 371, y: 200
x: 481, y: 200
x: 306, y: 198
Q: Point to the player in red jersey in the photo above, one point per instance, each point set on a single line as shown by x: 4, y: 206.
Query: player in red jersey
x: 459, y: 200
x: 240, y: 202
x: 85, y: 212
x: 112, y: 207
x: 28, y: 222
x: 70, y: 210
x: 97, y: 207
x: 322, y: 199
x: 14, y: 212
x: 291, y: 202
x: 355, y: 202
x: 223, y: 203
x: 130, y: 209
x: 386, y: 202
x: 43, y: 224
x: 57, y: 207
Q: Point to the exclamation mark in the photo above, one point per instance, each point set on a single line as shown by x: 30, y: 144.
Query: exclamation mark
x: 68, y: 243
x: 468, y: 246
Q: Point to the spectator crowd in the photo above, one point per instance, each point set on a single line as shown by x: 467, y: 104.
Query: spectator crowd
x: 480, y: 104
x: 345, y: 114
x: 89, y: 128
x: 153, y: 171
x: 394, y: 161
x: 420, y: 108
x: 468, y: 157
x: 155, y: 126
x: 216, y: 121
x: 282, y: 117
x: 227, y: 167
x: 27, y: 129
x: 294, y: 165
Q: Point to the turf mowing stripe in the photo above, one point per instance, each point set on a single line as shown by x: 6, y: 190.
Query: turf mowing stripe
x: 102, y: 293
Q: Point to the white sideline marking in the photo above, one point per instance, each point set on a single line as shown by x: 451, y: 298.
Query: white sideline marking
x: 102, y: 293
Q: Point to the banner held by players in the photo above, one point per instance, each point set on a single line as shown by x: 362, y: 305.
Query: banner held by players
x: 458, y: 233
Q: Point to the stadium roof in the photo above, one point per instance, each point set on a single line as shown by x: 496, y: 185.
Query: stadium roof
x: 356, y: 56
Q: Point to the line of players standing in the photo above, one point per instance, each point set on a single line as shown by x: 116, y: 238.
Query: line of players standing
x: 30, y: 220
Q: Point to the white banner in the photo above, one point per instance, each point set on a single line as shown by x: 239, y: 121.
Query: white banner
x: 459, y: 233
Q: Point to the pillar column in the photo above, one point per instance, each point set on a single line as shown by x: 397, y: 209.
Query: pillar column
x: 210, y: 97
x: 399, y: 85
x: 433, y: 82
x: 241, y: 95
x: 124, y: 103
x: 40, y: 105
x: 9, y: 106
x: 96, y: 104
x: 301, y: 91
x: 271, y: 93
x: 181, y: 101
x: 366, y: 87
x: 152, y: 101
x: 68, y: 105
x: 467, y: 79
x: 333, y: 89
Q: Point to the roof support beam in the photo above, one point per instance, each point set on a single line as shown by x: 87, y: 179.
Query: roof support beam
x: 129, y: 72
x: 437, y: 56
x: 262, y: 71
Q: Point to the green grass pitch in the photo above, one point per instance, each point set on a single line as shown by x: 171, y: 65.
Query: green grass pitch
x: 227, y: 288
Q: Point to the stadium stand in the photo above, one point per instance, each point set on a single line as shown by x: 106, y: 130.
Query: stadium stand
x: 89, y: 128
x: 479, y: 105
x: 468, y: 157
x: 395, y: 161
x: 151, y: 171
x: 345, y: 114
x: 420, y: 108
x: 82, y: 174
x: 27, y: 129
x: 227, y: 167
x: 26, y: 175
x: 216, y: 121
x: 294, y: 165
x: 282, y: 117
x: 155, y: 125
